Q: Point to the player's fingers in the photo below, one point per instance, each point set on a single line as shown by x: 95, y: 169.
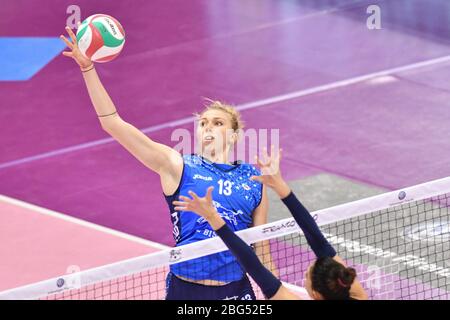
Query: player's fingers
x: 280, y: 154
x: 67, y: 54
x: 258, y: 161
x: 193, y: 195
x: 186, y: 199
x: 209, y: 193
x: 256, y: 178
x: 67, y: 42
x: 265, y: 155
x: 71, y: 35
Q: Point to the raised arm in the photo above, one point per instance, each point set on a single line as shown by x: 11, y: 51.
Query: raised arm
x: 271, y: 176
x: 158, y: 157
x: 262, y: 248
x: 269, y: 284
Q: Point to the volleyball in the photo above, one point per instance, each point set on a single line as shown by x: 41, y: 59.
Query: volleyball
x: 100, y: 38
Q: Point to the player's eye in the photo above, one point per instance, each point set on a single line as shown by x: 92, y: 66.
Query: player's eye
x: 219, y: 123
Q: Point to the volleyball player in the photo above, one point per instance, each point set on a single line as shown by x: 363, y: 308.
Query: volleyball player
x: 240, y: 201
x: 327, y: 278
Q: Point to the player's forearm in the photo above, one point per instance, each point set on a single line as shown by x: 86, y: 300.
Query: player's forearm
x: 244, y: 254
x: 268, y: 283
x: 281, y: 187
x: 99, y: 97
x: 215, y: 220
x: 318, y: 243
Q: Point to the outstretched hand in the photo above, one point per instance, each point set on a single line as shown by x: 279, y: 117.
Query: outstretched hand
x: 271, y: 174
x: 270, y: 168
x: 200, y: 205
x: 75, y: 52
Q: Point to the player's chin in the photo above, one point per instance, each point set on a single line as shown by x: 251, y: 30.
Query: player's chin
x: 207, y: 144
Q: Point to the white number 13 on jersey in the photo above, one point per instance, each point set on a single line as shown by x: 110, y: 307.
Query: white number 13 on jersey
x: 225, y: 187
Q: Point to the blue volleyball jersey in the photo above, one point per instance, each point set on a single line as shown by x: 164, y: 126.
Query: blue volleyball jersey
x: 235, y: 197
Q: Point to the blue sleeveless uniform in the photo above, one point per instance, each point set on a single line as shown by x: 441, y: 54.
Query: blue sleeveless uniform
x: 235, y: 196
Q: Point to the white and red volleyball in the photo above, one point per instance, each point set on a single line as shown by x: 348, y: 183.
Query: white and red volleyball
x: 100, y: 38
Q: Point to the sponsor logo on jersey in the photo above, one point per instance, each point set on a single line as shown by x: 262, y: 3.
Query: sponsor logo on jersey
x: 198, y: 176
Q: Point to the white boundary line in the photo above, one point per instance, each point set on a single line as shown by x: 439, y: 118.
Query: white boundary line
x: 83, y: 223
x: 214, y: 245
x: 245, y: 106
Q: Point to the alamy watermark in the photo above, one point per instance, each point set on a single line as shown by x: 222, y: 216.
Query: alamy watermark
x: 374, y: 20
x: 74, y: 17
x: 242, y: 146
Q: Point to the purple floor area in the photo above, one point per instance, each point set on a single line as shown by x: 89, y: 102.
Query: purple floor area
x: 390, y: 133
